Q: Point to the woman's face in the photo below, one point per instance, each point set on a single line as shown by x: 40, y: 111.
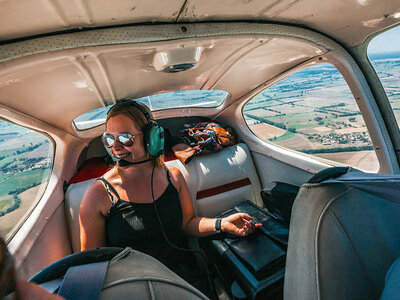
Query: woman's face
x: 123, y: 124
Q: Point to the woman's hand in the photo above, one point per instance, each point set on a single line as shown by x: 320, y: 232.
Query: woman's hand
x: 239, y: 224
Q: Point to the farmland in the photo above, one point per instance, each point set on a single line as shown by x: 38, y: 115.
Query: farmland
x: 28, y: 198
x: 314, y: 112
x: 25, y: 165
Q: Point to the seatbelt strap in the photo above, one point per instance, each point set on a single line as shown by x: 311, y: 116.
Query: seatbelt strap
x: 84, y: 282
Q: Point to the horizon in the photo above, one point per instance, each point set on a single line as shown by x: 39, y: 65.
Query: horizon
x: 387, y: 42
x: 384, y: 55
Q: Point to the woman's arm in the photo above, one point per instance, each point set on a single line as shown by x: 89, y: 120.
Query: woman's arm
x: 92, y: 217
x: 240, y: 224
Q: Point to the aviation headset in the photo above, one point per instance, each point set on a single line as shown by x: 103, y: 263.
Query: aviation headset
x: 153, y: 134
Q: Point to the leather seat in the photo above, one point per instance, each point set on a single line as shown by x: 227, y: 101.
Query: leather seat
x: 343, y: 238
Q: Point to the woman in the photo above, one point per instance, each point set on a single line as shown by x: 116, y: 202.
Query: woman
x: 143, y: 203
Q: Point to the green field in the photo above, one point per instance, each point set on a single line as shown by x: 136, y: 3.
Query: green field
x: 24, y: 179
x: 5, y: 203
x: 299, y: 126
x: 287, y: 135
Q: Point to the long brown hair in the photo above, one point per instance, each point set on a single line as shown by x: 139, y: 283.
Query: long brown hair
x: 129, y: 109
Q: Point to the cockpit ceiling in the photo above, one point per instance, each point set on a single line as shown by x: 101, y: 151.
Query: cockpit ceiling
x: 349, y: 22
x: 57, y: 86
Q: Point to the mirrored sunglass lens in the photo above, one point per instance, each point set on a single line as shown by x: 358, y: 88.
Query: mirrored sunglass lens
x: 125, y: 139
x: 109, y: 140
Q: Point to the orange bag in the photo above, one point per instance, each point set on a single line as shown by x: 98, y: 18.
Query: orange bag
x: 183, y: 152
x: 203, y: 138
x: 225, y: 136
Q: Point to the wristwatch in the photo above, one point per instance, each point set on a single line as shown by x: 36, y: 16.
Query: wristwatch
x: 218, y: 225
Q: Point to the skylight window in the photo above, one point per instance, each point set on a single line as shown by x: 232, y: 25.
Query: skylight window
x: 191, y: 98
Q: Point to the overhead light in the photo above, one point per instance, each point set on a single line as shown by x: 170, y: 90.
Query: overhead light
x: 177, y: 60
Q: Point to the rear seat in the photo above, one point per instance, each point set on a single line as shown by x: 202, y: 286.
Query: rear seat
x: 216, y: 182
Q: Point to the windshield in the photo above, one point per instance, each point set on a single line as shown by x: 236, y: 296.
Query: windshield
x: 384, y: 54
x: 197, y: 98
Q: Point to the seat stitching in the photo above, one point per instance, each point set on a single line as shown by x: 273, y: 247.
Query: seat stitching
x: 151, y: 290
x: 340, y: 225
x: 329, y: 203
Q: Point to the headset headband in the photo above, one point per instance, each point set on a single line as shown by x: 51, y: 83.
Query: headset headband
x: 140, y: 107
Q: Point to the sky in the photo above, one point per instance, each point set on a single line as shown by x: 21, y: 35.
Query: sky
x: 388, y: 41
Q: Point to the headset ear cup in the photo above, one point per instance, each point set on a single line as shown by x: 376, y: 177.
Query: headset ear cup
x: 146, y: 140
x: 154, y: 139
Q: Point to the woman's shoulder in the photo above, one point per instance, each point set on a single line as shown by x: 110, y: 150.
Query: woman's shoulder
x: 96, y: 196
x: 174, y: 172
x: 172, y: 169
x: 175, y: 175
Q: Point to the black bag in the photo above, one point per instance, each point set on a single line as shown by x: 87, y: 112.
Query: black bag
x: 278, y: 198
x: 252, y: 266
x: 258, y: 253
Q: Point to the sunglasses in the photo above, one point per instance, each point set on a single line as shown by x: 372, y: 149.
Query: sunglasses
x: 124, y: 138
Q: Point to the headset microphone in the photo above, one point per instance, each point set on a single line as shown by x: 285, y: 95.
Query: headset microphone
x: 125, y: 163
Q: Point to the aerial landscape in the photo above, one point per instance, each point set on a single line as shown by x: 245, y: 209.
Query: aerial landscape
x: 314, y: 112
x: 25, y: 160
x: 311, y: 111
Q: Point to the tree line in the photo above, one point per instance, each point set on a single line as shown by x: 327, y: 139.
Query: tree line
x: 14, y: 206
x: 261, y: 119
x: 23, y: 189
x: 338, y: 149
x: 28, y: 163
x: 16, y: 200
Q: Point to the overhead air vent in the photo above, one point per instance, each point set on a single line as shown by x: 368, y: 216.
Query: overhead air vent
x: 177, y: 60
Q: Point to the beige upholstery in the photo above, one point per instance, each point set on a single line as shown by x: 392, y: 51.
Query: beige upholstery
x: 341, y: 243
x: 73, y: 198
x: 211, y: 171
x: 230, y: 165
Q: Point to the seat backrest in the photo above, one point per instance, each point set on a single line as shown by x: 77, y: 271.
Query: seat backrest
x: 216, y: 182
x: 73, y: 198
x: 221, y: 180
x: 342, y: 240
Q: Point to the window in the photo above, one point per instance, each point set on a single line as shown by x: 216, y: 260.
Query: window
x: 26, y: 159
x: 314, y: 112
x: 384, y: 54
x: 198, y: 98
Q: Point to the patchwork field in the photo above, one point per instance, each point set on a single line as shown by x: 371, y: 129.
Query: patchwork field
x: 266, y: 131
x: 365, y: 160
x: 8, y: 221
x: 313, y: 111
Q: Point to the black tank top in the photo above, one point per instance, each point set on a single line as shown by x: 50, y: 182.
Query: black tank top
x: 135, y: 225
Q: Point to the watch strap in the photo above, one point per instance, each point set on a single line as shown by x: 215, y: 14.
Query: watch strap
x: 218, y: 225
